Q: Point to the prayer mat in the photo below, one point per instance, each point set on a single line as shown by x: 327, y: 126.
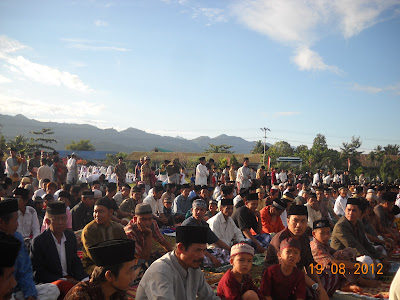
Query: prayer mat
x: 131, y: 293
x: 212, y: 277
x: 381, y: 292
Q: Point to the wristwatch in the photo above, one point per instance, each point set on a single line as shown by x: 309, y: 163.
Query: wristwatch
x: 314, y: 286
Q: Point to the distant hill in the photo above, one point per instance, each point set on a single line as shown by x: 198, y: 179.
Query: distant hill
x: 128, y: 140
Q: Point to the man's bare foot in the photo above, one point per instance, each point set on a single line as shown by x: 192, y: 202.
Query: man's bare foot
x: 369, y: 283
x: 351, y: 288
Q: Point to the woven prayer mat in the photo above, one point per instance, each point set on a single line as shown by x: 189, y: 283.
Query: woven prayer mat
x: 381, y: 292
x: 131, y: 293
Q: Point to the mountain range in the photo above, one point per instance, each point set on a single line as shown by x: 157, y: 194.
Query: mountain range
x: 128, y: 140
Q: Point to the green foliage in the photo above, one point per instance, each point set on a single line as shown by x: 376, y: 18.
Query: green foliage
x: 40, y: 143
x: 349, y: 151
x: 279, y: 149
x: 390, y: 170
x: 82, y: 145
x: 392, y: 149
x: 218, y: 149
x: 259, y: 148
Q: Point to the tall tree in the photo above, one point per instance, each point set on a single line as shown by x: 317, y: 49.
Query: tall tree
x: 392, y: 149
x: 350, y: 151
x: 19, y: 142
x: 82, y: 145
x: 259, y: 148
x: 218, y: 149
x: 44, y: 139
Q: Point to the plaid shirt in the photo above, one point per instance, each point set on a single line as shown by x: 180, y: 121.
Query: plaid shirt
x: 133, y: 232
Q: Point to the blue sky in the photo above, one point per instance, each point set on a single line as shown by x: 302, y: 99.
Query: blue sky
x: 192, y: 68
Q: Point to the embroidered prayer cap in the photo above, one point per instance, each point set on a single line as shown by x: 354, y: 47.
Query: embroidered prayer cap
x: 297, y: 210
x: 191, y: 234
x: 105, y: 201
x: 279, y: 204
x: 240, y: 248
x: 64, y: 194
x: 290, y: 242
x: 353, y: 201
x: 226, y: 189
x: 8, y: 205
x: 213, y: 202
x: 252, y: 197
x: 199, y: 203
x: 143, y: 209
x: 56, y: 208
x: 321, y: 224
x: 88, y: 194
x: 97, y: 194
x: 288, y: 197
x: 9, y: 249
x: 112, y: 252
x: 226, y: 201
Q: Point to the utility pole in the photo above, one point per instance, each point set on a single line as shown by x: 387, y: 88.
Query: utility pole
x: 265, y: 140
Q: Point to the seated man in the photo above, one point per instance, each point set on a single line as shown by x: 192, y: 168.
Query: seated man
x: 54, y: 252
x: 113, y: 275
x: 313, y: 211
x: 143, y: 229
x: 177, y: 275
x: 297, y: 225
x: 82, y: 213
x: 119, y: 197
x: 383, y: 210
x: 270, y: 216
x: 349, y: 232
x: 28, y: 222
x: 247, y: 218
x: 101, y: 229
x: 156, y: 205
x: 212, y: 209
x: 9, y: 248
x: 26, y: 288
x: 199, y: 208
x: 182, y: 204
x: 128, y: 205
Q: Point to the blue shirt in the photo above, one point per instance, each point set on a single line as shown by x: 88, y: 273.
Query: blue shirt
x: 23, y: 271
x: 181, y: 205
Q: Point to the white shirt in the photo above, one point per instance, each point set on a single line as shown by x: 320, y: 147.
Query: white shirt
x: 28, y: 223
x: 242, y: 177
x: 237, y: 199
x: 316, y: 179
x: 71, y: 165
x: 327, y: 179
x: 282, y: 176
x: 284, y: 218
x: 61, y: 253
x: 340, y: 205
x: 226, y: 230
x: 156, y: 205
x: 313, y: 215
x: 201, y: 175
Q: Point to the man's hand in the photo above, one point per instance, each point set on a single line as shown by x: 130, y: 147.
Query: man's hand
x: 146, y: 231
x: 260, y: 249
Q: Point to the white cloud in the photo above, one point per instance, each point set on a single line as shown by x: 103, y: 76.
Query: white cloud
x: 4, y: 79
x: 394, y: 88
x: 100, y: 23
x: 214, y: 15
x: 34, y: 71
x: 286, y: 113
x: 92, y: 45
x: 46, y: 75
x: 308, y: 60
x: 300, y: 24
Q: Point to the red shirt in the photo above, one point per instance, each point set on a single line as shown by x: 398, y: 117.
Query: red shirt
x: 266, y: 221
x: 231, y: 289
x: 281, y: 287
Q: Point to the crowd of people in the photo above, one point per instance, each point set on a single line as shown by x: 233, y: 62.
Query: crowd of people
x: 306, y: 225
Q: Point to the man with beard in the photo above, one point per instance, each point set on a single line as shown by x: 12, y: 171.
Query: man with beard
x: 177, y: 275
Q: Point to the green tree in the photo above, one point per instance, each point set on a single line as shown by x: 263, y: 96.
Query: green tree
x: 279, y: 149
x: 392, y: 149
x: 349, y: 151
x: 19, y: 142
x: 259, y: 148
x: 218, y: 149
x: 82, y: 145
x: 389, y: 169
x: 42, y: 142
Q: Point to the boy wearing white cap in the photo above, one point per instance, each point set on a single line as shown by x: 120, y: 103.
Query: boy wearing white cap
x: 237, y: 282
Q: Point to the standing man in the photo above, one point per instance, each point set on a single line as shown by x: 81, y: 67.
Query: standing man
x: 72, y: 175
x: 120, y: 170
x: 174, y: 171
x: 177, y: 275
x: 243, y: 175
x: 13, y: 167
x: 146, y: 173
x: 138, y: 169
x: 201, y: 172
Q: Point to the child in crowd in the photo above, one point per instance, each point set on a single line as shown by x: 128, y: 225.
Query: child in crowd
x: 237, y: 284
x: 326, y: 256
x: 285, y: 281
x: 212, y: 209
x: 168, y: 211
